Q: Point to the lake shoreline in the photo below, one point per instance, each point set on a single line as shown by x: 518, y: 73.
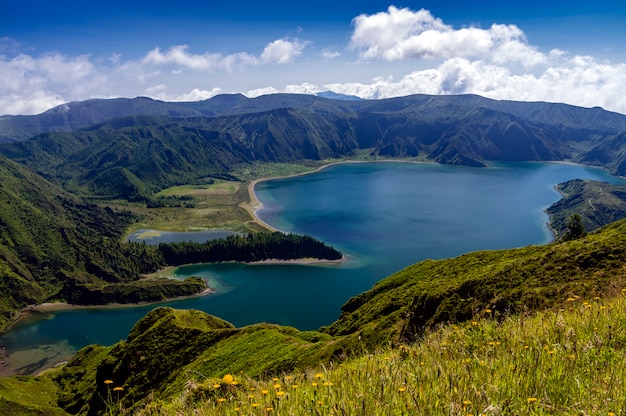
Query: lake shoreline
x: 253, y: 206
x: 168, y: 272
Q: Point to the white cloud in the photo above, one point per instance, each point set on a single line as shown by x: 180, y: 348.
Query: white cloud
x: 282, y: 51
x: 400, y: 34
x: 425, y: 54
x: 160, y: 92
x: 179, y: 56
x: 31, y: 85
x: 331, y: 54
x: 576, y: 80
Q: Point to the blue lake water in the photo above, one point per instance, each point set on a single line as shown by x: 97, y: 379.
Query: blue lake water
x: 384, y: 216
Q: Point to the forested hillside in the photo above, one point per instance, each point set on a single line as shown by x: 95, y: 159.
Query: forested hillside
x: 55, y: 247
x: 132, y: 157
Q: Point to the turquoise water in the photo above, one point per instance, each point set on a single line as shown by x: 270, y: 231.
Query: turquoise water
x: 384, y: 216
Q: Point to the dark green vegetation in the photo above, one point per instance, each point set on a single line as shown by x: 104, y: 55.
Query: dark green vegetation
x: 156, y: 145
x: 250, y: 248
x: 597, y: 203
x: 167, y: 347
x: 54, y: 247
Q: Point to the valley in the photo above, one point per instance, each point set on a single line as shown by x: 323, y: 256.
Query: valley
x: 429, y: 246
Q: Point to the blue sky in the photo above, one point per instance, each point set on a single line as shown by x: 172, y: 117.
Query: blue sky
x: 565, y: 51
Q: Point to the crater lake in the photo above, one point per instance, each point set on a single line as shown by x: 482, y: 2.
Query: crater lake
x: 383, y: 216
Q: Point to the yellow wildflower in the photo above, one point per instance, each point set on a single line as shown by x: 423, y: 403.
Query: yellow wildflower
x: 531, y: 400
x: 118, y: 388
x: 228, y: 379
x: 108, y: 381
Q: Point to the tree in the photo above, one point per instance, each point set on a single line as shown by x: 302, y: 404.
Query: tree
x: 575, y: 228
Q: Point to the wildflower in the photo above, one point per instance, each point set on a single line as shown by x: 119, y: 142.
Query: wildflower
x: 487, y: 310
x: 269, y: 409
x: 221, y: 400
x: 402, y: 389
x: 474, y: 323
x: 277, y: 386
x: 280, y: 393
x: 275, y: 379
x: 319, y: 402
x: 295, y: 386
x: 265, y: 391
x: 118, y: 388
x: 108, y: 381
x: 314, y: 384
x: 228, y: 379
x: 250, y: 396
x: 531, y: 400
x: 466, y: 402
x: 319, y: 375
x: 255, y: 405
x: 327, y: 383
x: 216, y: 386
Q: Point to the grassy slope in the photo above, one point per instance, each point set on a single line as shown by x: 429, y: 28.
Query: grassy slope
x: 401, y: 308
x: 560, y: 362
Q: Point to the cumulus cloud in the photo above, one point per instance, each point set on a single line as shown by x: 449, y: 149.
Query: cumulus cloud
x: 180, y: 56
x: 331, y: 54
x: 33, y: 84
x: 576, y: 80
x: 160, y: 92
x: 436, y: 58
x: 282, y: 51
x: 399, y: 34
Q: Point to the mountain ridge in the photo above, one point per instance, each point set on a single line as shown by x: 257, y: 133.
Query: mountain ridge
x: 150, y: 152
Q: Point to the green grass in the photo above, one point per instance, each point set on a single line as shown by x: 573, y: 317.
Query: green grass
x: 28, y: 396
x: 564, y: 362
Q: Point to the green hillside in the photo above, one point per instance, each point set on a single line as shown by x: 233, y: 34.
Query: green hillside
x: 131, y: 155
x: 168, y: 348
x: 54, y: 247
x: 597, y: 203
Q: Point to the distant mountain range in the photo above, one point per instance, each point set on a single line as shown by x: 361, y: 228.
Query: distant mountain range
x: 129, y: 148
